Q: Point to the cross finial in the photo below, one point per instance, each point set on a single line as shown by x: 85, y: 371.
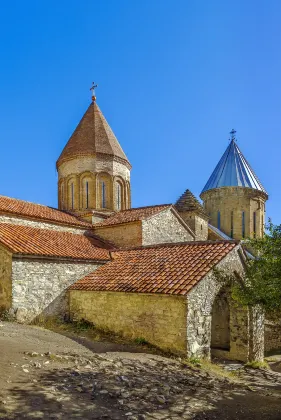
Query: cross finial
x: 93, y: 91
x: 232, y: 133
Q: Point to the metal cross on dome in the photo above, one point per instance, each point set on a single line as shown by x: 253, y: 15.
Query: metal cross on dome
x: 93, y: 91
x: 232, y: 133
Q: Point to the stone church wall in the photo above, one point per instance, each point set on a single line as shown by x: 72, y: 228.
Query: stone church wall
x: 39, y: 285
x: 164, y: 227
x: 5, y: 279
x: 159, y: 319
x: 246, y: 332
x: 123, y: 235
x: 40, y: 225
x: 272, y: 335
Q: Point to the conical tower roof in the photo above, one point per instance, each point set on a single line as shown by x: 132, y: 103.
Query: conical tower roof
x: 233, y: 170
x: 188, y: 202
x: 93, y: 135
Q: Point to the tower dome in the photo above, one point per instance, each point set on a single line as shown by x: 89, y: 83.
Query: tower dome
x: 93, y: 170
x: 234, y: 197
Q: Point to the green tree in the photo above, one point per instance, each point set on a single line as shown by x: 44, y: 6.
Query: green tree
x: 261, y: 283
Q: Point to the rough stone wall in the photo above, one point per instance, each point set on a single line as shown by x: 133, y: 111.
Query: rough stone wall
x: 40, y: 225
x: 164, y: 227
x: 272, y: 335
x: 125, y: 235
x: 197, y: 223
x: 236, y: 200
x: 159, y: 319
x: 244, y: 332
x: 5, y: 279
x: 39, y: 286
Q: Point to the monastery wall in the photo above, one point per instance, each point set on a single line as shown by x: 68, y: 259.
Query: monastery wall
x: 125, y: 235
x: 5, y: 279
x: 197, y: 224
x: 272, y: 336
x: 39, y: 285
x: 159, y: 319
x: 164, y: 227
x: 40, y: 225
x: 246, y: 339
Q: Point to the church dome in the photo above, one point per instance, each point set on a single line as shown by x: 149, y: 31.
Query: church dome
x: 233, y: 170
x: 93, y: 135
x: 93, y: 170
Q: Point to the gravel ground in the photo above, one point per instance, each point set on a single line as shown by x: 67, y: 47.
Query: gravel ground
x: 45, y: 375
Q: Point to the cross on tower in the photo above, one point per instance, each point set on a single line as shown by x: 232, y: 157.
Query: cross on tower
x: 232, y: 133
x: 93, y: 91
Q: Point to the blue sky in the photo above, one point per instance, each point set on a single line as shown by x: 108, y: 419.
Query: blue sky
x: 174, y: 78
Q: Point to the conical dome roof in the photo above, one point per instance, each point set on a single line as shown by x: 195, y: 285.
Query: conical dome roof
x: 93, y: 135
x: 188, y: 202
x: 233, y: 170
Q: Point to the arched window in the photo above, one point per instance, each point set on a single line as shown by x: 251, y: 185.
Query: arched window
x: 87, y: 194
x: 103, y: 195
x: 62, y: 195
x: 72, y: 195
x: 231, y: 224
x: 243, y: 224
x: 118, y: 196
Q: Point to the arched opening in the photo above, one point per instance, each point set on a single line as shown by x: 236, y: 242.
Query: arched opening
x: 118, y: 196
x: 103, y: 195
x: 220, y: 338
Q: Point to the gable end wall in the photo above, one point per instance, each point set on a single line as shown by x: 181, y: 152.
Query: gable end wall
x: 162, y: 228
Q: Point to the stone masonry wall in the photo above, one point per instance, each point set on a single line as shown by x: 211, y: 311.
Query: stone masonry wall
x: 40, y: 225
x: 39, y: 286
x: 231, y: 202
x: 198, y: 224
x: 5, y: 279
x: 159, y: 319
x: 199, y: 318
x: 74, y: 173
x: 272, y: 335
x: 125, y: 235
x: 164, y: 227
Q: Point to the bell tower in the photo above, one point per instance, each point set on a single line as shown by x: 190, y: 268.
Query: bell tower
x: 233, y: 197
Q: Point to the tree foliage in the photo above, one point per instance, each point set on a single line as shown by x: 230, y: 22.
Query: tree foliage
x: 261, y: 284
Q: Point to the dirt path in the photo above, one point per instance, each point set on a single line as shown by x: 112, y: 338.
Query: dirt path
x: 44, y: 375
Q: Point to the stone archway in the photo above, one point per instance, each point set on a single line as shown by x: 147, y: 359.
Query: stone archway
x: 220, y: 323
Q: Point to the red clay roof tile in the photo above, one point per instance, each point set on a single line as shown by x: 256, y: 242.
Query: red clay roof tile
x: 93, y: 136
x: 26, y: 209
x: 133, y: 215
x: 169, y: 269
x: 45, y: 242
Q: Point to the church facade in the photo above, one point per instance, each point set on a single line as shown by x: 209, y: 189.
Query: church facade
x: 142, y: 272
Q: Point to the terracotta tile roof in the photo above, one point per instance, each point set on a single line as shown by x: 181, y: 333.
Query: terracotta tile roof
x: 132, y: 215
x: 44, y: 242
x: 167, y: 269
x: 29, y: 210
x: 93, y: 135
